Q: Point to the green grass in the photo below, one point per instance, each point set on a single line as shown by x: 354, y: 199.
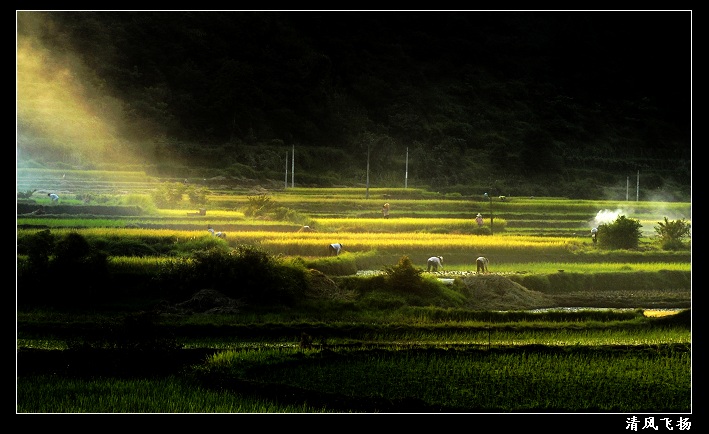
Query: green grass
x: 538, y: 367
x: 574, y: 380
x: 52, y: 394
x: 362, y: 348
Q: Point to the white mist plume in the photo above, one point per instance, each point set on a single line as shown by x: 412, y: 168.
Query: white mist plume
x: 606, y: 216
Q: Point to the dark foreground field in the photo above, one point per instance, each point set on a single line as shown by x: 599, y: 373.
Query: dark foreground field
x: 328, y: 368
x: 403, y: 359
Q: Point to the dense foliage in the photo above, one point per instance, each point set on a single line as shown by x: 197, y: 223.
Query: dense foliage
x: 673, y: 233
x: 65, y: 270
x: 623, y: 233
x: 511, y: 103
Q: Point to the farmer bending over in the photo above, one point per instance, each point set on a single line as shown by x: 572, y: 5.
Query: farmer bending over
x: 334, y: 249
x: 482, y: 263
x: 435, y: 262
x: 216, y: 234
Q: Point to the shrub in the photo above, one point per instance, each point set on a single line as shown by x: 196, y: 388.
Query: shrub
x: 245, y: 272
x: 623, y: 233
x: 405, y: 277
x: 258, y: 205
x: 79, y: 269
x: 64, y: 271
x: 38, y: 247
x: 404, y: 274
x: 197, y: 195
x: 32, y: 273
x: 672, y: 233
x: 168, y: 194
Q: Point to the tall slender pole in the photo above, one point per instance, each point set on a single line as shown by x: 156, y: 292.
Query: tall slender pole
x: 292, y: 168
x: 487, y: 196
x: 637, y: 189
x: 367, y: 195
x: 627, y: 187
x: 406, y: 176
x: 286, y: 186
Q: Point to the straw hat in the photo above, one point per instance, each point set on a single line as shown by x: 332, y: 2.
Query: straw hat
x: 479, y: 215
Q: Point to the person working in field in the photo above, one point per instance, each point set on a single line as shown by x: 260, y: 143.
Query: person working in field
x: 482, y: 264
x: 479, y: 220
x: 594, y: 235
x: 53, y: 197
x: 222, y: 235
x: 385, y: 210
x: 434, y: 262
x: 334, y: 249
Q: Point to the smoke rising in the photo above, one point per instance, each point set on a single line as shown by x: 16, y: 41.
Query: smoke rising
x: 606, y: 216
x: 658, y: 211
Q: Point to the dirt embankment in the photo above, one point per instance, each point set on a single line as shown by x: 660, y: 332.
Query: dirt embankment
x: 493, y: 292
x: 483, y: 292
x: 496, y: 292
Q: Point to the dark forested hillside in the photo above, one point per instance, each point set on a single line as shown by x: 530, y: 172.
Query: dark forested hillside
x: 518, y: 103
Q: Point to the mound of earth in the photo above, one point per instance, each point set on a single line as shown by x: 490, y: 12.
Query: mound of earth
x: 208, y: 301
x: 493, y: 292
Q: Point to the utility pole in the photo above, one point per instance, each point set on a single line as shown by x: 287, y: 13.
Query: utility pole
x: 292, y: 168
x: 367, y: 195
x: 637, y: 189
x: 627, y: 187
x: 286, y: 169
x: 406, y: 175
x: 491, y: 217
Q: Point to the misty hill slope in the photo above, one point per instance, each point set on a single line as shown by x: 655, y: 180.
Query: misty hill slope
x: 562, y: 104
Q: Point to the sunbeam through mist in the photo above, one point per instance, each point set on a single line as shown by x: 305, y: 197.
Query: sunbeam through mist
x: 59, y: 107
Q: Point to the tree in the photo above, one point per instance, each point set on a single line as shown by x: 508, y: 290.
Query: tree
x: 623, y: 233
x: 168, y: 194
x: 404, y: 276
x: 197, y: 195
x: 672, y: 233
x: 78, y: 271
